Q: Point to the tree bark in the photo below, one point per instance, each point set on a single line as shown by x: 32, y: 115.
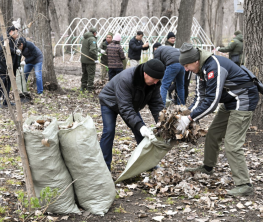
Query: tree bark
x: 19, y: 119
x: 253, y: 44
x: 240, y: 22
x: 202, y: 14
x: 124, y: 5
x: 185, y: 20
x: 7, y: 9
x: 29, y: 7
x: 55, y: 25
x: 219, y: 24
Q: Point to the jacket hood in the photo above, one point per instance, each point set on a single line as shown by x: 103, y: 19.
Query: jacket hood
x: 239, y: 37
x: 88, y: 35
x: 204, y: 55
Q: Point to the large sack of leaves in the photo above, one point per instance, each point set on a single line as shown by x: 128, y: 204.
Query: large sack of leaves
x: 94, y: 187
x: 145, y: 156
x: 46, y: 163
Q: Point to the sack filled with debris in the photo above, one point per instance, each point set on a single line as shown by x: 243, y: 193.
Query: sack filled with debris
x: 94, y: 188
x: 47, y: 166
x: 145, y: 156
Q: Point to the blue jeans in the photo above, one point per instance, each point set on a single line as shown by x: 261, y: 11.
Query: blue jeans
x: 113, y: 72
x: 109, y: 123
x: 173, y: 71
x: 38, y: 71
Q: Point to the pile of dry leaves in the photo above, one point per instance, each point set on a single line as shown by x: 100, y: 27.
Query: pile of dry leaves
x: 168, y: 122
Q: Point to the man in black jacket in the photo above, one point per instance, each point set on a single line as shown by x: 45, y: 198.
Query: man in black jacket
x: 136, y: 45
x: 12, y: 34
x: 126, y: 94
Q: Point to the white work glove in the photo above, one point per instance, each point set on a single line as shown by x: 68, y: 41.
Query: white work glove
x: 103, y: 51
x: 22, y: 63
x: 184, y: 121
x: 217, y: 48
x: 146, y: 132
x: 97, y: 61
x: 18, y: 52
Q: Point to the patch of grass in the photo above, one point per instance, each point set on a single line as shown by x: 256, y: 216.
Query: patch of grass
x: 170, y: 201
x: 2, y: 210
x: 144, y: 191
x: 7, y: 149
x: 125, y: 138
x: 116, y: 151
x: 153, y: 210
x: 117, y: 196
x: 197, y: 196
x: 119, y: 209
x: 3, y: 189
x: 13, y: 182
x: 150, y: 199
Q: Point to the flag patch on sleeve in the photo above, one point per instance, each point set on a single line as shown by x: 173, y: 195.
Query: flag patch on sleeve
x: 210, y: 75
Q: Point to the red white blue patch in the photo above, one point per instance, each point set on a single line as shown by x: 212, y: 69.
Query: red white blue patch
x: 210, y: 75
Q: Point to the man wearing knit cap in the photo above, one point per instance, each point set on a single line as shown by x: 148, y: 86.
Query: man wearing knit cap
x: 170, y: 39
x: 126, y: 94
x: 104, y: 57
x: 90, y: 49
x: 235, y: 48
x: 115, y: 56
x: 219, y: 80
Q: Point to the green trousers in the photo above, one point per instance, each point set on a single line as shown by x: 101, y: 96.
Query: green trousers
x: 88, y: 74
x: 231, y: 125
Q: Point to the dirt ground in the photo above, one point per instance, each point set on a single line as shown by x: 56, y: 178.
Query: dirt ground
x: 169, y: 194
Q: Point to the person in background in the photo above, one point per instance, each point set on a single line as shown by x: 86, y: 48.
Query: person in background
x: 136, y: 46
x: 169, y: 56
x: 170, y: 39
x: 12, y: 34
x: 33, y: 59
x: 126, y: 94
x: 115, y: 56
x: 235, y: 48
x: 104, y: 56
x: 90, y: 49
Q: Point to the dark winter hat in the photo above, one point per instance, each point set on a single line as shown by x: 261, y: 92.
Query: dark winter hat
x: 93, y: 30
x: 189, y: 54
x: 21, y: 40
x: 237, y: 32
x: 154, y: 68
x: 156, y: 45
x: 11, y: 28
x: 170, y: 35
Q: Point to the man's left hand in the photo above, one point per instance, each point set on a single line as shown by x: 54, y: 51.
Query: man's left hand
x: 184, y: 122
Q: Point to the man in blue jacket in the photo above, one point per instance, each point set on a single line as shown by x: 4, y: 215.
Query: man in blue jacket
x: 33, y: 59
x: 136, y: 46
x: 219, y: 80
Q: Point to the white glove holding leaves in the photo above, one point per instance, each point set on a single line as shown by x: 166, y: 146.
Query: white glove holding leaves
x: 97, y: 61
x: 217, y: 48
x: 18, y: 52
x: 22, y: 63
x: 183, y: 123
x: 103, y: 51
x: 146, y: 132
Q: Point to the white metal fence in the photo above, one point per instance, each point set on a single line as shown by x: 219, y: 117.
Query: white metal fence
x: 154, y: 29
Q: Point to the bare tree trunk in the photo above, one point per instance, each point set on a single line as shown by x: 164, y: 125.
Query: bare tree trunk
x: 124, y: 5
x: 219, y: 24
x: 7, y: 9
x: 18, y: 121
x: 55, y: 24
x: 29, y: 7
x: 185, y: 20
x: 235, y: 21
x: 209, y: 15
x: 253, y: 18
x: 202, y: 14
x: 240, y: 22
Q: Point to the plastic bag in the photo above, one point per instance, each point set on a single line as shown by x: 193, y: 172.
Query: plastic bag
x: 145, y: 156
x: 94, y: 188
x: 47, y: 165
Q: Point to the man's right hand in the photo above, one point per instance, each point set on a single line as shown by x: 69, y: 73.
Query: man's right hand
x: 145, y: 45
x: 145, y: 131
